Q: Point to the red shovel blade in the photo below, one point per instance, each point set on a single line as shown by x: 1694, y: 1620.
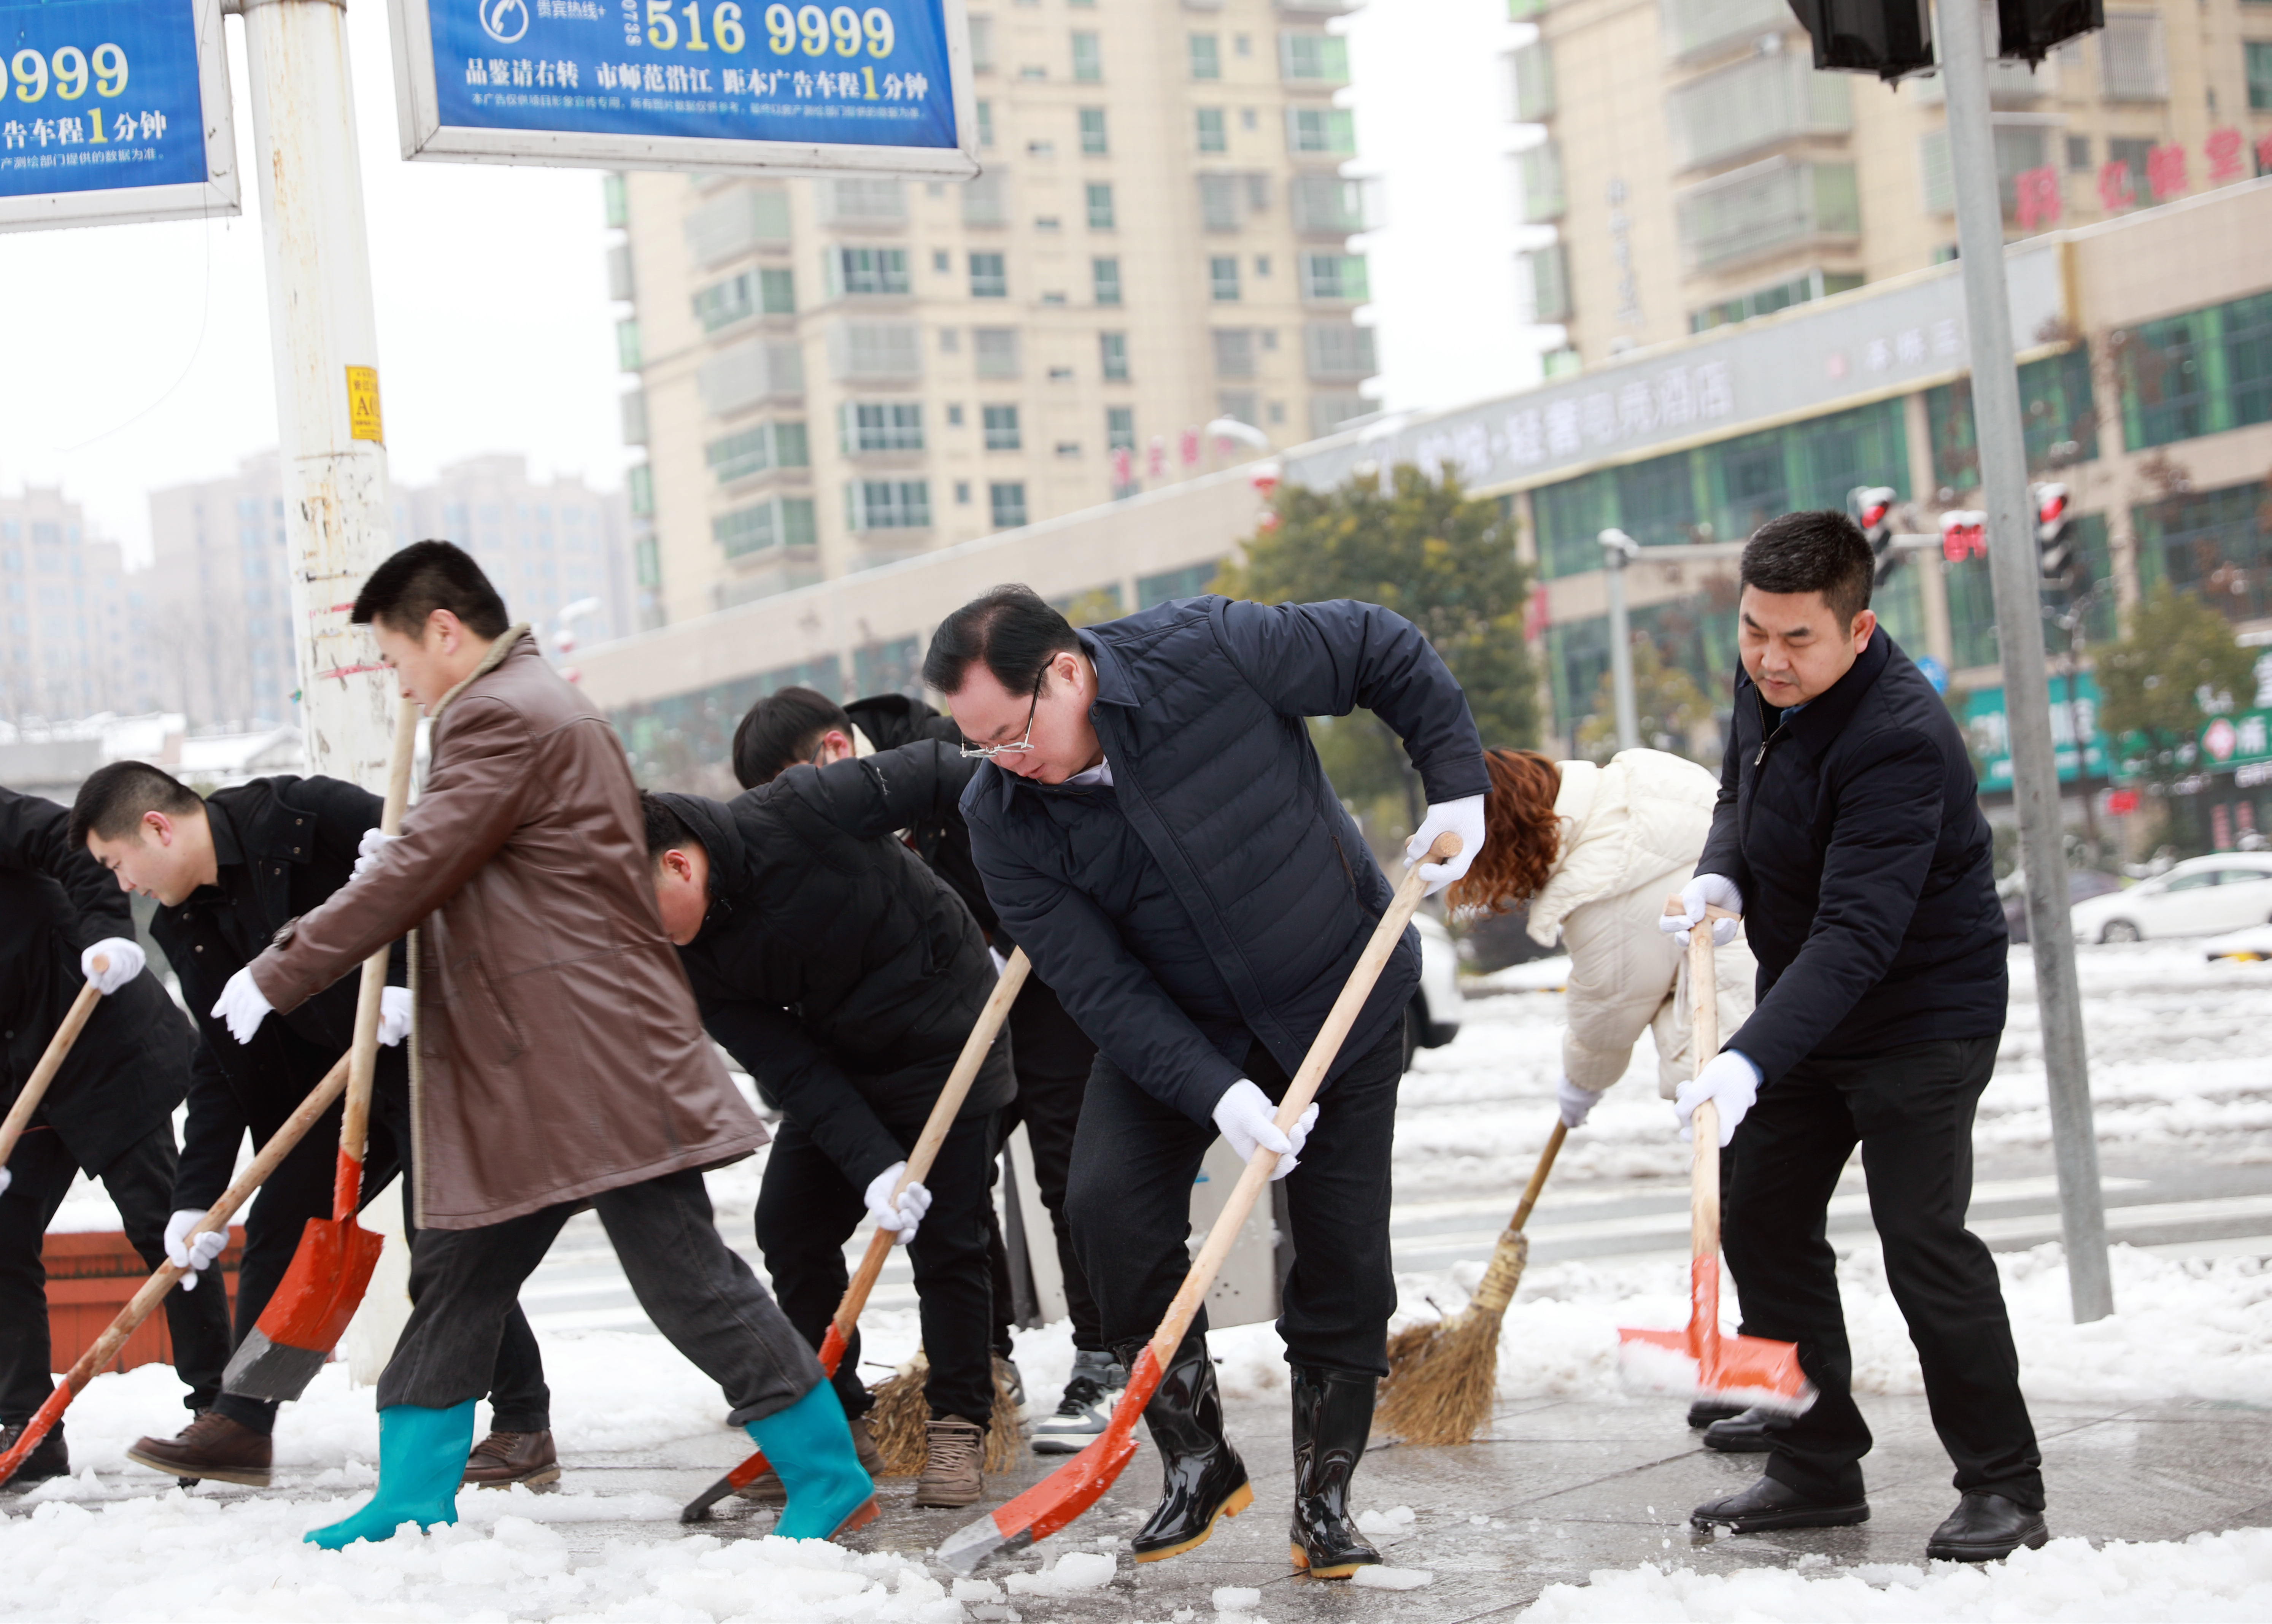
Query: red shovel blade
x: 39, y: 1427
x: 305, y: 1319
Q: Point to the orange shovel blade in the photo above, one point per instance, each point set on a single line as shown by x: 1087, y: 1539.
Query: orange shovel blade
x: 305, y: 1319
x: 1753, y: 1371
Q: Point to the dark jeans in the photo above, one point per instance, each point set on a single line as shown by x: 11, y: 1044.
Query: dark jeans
x: 1130, y: 1196
x: 1053, y: 1057
x: 140, y: 1183
x: 808, y: 1208
x: 1910, y: 1109
x: 701, y: 1295
x: 300, y: 1190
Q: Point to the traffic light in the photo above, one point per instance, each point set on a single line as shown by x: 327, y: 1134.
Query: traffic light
x: 2026, y: 30
x: 2055, y: 550
x: 1889, y: 37
x: 1963, y: 534
x: 1871, y: 507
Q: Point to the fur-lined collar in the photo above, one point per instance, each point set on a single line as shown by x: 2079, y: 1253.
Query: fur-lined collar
x: 491, y: 661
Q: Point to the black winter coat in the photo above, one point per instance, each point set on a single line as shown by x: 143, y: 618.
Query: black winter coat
x: 890, y: 721
x: 840, y: 972
x: 130, y: 1065
x: 1217, y: 893
x: 283, y: 845
x: 1854, y: 832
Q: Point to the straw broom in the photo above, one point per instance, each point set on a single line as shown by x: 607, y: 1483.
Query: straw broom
x: 902, y: 1412
x: 1441, y: 1376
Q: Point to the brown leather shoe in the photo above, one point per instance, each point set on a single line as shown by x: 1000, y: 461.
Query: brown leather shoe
x: 951, y: 1474
x: 766, y: 1488
x: 503, y: 1459
x: 212, y: 1446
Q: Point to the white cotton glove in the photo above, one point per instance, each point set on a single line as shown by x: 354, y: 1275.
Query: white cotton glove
x: 394, y: 1007
x: 191, y: 1254
x: 1731, y: 1082
x: 242, y: 1005
x: 902, y: 1215
x: 1575, y: 1103
x: 1249, y: 1122
x: 367, y: 849
x: 6, y: 1178
x: 1463, y: 817
x: 1705, y: 890
x: 125, y: 959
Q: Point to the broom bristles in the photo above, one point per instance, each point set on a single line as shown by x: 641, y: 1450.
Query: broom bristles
x: 1441, y: 1379
x: 901, y: 1414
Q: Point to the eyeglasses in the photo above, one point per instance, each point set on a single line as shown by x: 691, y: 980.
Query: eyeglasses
x: 988, y: 752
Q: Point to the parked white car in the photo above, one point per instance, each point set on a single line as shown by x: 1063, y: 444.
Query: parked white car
x: 1434, y: 1019
x: 2200, y: 897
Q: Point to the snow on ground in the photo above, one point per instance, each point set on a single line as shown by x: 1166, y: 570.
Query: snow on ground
x: 2208, y: 1577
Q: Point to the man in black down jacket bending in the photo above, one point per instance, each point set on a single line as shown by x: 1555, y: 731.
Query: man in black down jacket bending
x: 844, y: 976
x: 1154, y: 829
x: 1848, y: 834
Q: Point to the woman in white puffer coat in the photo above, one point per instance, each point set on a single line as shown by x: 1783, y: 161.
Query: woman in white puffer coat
x: 1596, y: 850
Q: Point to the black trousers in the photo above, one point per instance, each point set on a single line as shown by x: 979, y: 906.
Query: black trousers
x: 300, y: 1190
x: 1053, y: 1057
x: 807, y: 1208
x: 702, y: 1296
x: 1910, y: 1109
x: 140, y: 1184
x: 1133, y: 1163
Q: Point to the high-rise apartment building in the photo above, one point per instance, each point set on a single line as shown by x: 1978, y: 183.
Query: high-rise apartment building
x: 834, y: 374
x: 1698, y: 171
x: 547, y: 546
x: 73, y: 640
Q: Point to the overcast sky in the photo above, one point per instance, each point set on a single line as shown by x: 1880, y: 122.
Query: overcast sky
x: 137, y: 356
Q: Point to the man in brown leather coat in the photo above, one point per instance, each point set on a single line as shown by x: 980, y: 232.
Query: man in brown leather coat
x: 558, y: 1059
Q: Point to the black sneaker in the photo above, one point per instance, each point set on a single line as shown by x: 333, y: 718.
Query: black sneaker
x: 1084, y: 1408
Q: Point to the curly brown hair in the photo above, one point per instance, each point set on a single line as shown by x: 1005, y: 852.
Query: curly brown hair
x: 1522, y: 834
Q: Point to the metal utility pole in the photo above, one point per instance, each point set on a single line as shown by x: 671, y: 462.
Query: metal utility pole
x: 2014, y: 576
x: 1619, y: 549
x: 325, y: 337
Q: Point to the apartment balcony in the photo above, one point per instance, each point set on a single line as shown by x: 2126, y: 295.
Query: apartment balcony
x: 738, y: 222
x: 1776, y: 206
x: 879, y: 204
x: 752, y: 373
x: 1695, y: 30
x: 1755, y: 104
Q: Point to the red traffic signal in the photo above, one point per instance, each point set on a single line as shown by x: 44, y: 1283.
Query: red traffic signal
x: 1963, y: 534
x: 2051, y: 510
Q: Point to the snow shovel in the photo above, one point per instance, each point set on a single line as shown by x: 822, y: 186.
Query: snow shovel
x: 1702, y: 1362
x: 1073, y: 1487
x: 943, y: 1112
x: 317, y: 1295
x: 58, y: 1050
x: 144, y: 1302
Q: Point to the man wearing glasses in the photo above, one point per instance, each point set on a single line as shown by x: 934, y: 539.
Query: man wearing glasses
x: 1154, y: 829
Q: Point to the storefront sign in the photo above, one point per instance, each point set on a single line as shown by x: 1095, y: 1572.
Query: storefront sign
x: 1985, y: 727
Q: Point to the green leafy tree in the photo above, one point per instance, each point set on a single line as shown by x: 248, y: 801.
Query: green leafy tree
x: 1671, y: 709
x: 2152, y: 683
x: 1443, y: 560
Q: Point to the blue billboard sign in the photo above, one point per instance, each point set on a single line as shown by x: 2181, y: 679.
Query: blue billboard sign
x: 711, y: 84
x: 113, y: 110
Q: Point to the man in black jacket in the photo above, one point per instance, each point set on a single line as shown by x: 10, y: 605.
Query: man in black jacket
x: 109, y: 1112
x: 1052, y: 1054
x: 1154, y: 829
x: 1849, y: 835
x: 228, y: 873
x: 845, y: 977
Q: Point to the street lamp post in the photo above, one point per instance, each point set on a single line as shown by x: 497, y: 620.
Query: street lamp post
x: 1619, y: 549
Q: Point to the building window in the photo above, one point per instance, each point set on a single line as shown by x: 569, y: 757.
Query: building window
x: 2078, y: 155
x: 884, y: 425
x: 1756, y: 103
x: 2132, y: 66
x: 1001, y: 423
x: 1320, y: 130
x: 1538, y: 173
x: 1100, y: 205
x: 1120, y: 428
x: 981, y: 45
x: 1007, y: 499
x: 986, y: 123
x: 1766, y: 206
x: 1327, y: 203
x: 888, y: 505
x: 2201, y: 373
x: 1087, y: 58
x: 755, y: 450
x: 1313, y: 58
x: 994, y: 352
x: 1336, y: 351
x: 1104, y: 275
x: 988, y: 278
x: 1223, y: 277
x: 1234, y: 351
x: 1334, y: 276
x: 785, y: 521
x: 1530, y: 83
x: 1206, y: 57
x: 1801, y: 289
x: 627, y: 344
x: 1112, y: 352
x: 1092, y: 132
x: 2259, y: 75
x: 880, y: 271
x: 1211, y: 136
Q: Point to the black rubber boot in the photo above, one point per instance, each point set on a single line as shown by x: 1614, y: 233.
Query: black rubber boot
x: 1204, y: 1478
x: 49, y: 1459
x: 1742, y: 1435
x: 1705, y: 1411
x: 1333, y: 1417
x: 1987, y: 1528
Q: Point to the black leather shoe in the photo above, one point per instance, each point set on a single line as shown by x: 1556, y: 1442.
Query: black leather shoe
x: 1204, y: 1478
x: 1768, y: 1504
x: 1704, y: 1412
x: 1741, y: 1435
x: 49, y: 1459
x: 1333, y: 1417
x: 1987, y: 1528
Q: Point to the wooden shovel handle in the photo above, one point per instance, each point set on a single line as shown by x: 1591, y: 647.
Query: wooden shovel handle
x: 943, y: 1112
x: 362, y: 1053
x: 1299, y: 1093
x: 58, y: 1050
x: 1703, y: 1044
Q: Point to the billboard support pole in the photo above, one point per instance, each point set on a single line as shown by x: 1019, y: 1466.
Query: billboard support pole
x: 2015, y: 576
x: 324, y: 333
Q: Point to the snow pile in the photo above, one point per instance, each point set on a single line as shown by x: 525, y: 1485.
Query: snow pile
x: 179, y: 1557
x: 1383, y: 1578
x: 1396, y: 1520
x: 2206, y: 1578
x: 1072, y: 1573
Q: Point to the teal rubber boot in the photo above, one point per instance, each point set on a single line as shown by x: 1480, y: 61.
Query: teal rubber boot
x: 422, y: 1456
x: 810, y: 1446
